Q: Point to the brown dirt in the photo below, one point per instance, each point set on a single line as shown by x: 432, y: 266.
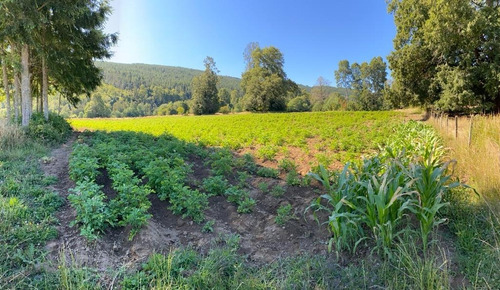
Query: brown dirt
x: 262, y: 240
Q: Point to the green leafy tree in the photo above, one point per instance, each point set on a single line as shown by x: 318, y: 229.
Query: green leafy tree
x: 204, y: 87
x: 446, y: 54
x: 367, y: 80
x: 97, y: 108
x: 265, y: 82
x: 344, y: 76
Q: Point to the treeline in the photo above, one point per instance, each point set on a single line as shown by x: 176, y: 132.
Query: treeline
x: 132, y: 90
x: 49, y: 47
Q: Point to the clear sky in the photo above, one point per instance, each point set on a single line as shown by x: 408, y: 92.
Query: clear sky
x: 313, y: 35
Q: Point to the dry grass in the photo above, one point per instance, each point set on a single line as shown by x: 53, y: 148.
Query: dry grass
x: 11, y: 136
x: 478, y: 162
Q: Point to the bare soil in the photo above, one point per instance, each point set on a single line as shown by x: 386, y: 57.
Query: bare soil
x: 262, y: 240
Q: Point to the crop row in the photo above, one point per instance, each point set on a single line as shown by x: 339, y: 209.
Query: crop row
x: 378, y: 197
x: 139, y: 164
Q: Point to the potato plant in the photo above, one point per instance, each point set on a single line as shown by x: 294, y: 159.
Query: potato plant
x: 92, y: 212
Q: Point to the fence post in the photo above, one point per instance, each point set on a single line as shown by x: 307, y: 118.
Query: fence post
x: 456, y: 127
x: 470, y: 130
x: 447, y: 118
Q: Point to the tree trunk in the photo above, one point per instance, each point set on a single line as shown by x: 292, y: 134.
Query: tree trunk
x: 25, y: 86
x: 59, y: 106
x: 17, y: 96
x: 45, y: 89
x: 6, y: 88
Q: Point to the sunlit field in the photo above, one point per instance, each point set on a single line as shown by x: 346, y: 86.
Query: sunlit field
x: 329, y: 138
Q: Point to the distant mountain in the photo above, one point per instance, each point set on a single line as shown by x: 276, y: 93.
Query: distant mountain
x: 132, y: 76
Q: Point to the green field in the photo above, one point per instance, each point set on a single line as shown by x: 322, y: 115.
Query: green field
x: 328, y: 138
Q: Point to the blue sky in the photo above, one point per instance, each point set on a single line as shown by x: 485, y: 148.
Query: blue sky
x: 312, y: 35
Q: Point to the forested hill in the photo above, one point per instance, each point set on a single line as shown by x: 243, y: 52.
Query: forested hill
x: 132, y: 76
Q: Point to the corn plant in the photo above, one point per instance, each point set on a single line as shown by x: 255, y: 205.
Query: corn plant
x: 384, y: 204
x: 431, y: 183
x: 343, y: 222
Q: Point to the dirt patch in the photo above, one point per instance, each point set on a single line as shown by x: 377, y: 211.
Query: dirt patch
x: 262, y: 240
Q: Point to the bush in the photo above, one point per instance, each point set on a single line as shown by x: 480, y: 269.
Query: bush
x: 298, y: 104
x: 224, y: 110
x: 52, y: 131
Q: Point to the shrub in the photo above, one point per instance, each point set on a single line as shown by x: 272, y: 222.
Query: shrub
x: 224, y: 110
x: 52, y: 131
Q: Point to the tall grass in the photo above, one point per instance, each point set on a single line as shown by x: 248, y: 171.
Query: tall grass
x: 479, y: 163
x: 11, y: 136
x: 474, y: 218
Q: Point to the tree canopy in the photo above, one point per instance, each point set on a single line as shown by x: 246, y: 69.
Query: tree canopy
x: 447, y: 54
x: 366, y: 81
x: 205, y: 93
x: 53, y: 43
x: 264, y: 82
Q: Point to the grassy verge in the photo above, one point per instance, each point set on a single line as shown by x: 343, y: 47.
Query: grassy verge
x: 26, y: 210
x: 474, y: 216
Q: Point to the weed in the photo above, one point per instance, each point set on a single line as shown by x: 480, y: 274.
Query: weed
x: 292, y: 178
x: 278, y: 191
x: 284, y: 214
x: 263, y: 186
x: 208, y: 226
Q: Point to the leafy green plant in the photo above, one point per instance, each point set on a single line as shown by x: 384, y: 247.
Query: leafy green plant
x: 287, y: 165
x: 131, y: 205
x: 215, y: 185
x: 278, y: 191
x: 267, y: 152
x: 284, y: 214
x: 208, y: 226
x: 267, y: 172
x: 292, y: 178
x: 243, y: 179
x: 83, y: 163
x: 263, y: 186
x: 165, y: 175
x: 221, y: 162
x: 246, y: 205
x: 246, y: 162
x: 92, y: 212
x: 189, y: 203
x: 241, y: 198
